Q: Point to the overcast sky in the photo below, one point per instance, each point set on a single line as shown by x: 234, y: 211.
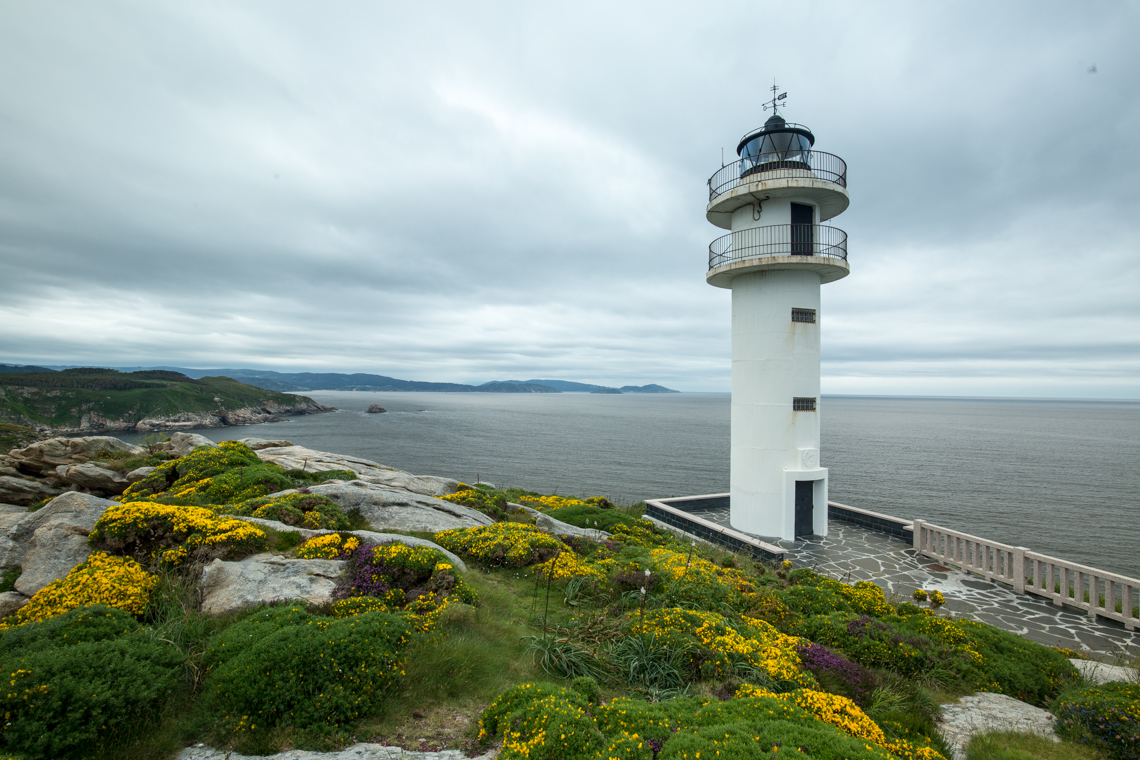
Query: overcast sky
x: 471, y: 191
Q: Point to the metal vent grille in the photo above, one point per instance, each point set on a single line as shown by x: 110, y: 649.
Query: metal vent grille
x: 803, y: 404
x: 803, y: 315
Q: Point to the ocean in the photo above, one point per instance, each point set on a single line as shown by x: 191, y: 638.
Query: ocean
x: 1059, y: 477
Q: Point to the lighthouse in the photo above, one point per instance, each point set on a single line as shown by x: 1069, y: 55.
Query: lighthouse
x: 776, y: 200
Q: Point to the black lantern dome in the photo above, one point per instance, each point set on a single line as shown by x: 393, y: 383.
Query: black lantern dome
x: 776, y: 145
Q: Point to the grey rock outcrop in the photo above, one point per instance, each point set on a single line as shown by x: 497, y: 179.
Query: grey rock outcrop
x: 45, y: 456
x: 10, y: 601
x: 93, y: 478
x: 257, y: 444
x: 54, y: 550
x: 183, y: 443
x: 301, y: 458
x: 982, y: 713
x: 134, y: 476
x: 559, y: 528
x: 376, y: 409
x: 387, y: 508
x: 264, y: 579
x: 24, y: 491
x: 1101, y: 673
x: 367, y: 536
x: 353, y: 752
x: 74, y: 512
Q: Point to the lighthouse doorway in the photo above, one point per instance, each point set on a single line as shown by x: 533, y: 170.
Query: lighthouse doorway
x: 802, y: 218
x: 805, y: 507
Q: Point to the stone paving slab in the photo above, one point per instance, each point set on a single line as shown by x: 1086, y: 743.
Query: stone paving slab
x: 851, y: 553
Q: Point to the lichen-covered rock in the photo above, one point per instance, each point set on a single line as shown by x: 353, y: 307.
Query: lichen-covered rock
x: 134, y: 476
x: 310, y: 460
x: 366, y: 536
x: 10, y: 601
x: 388, y: 508
x: 55, y: 549
x: 79, y: 511
x: 22, y: 491
x: 44, y: 456
x: 257, y: 444
x: 93, y: 478
x: 265, y: 579
x: 183, y: 443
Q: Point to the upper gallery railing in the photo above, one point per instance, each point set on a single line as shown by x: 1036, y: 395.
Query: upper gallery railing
x: 1098, y: 592
x: 806, y: 164
x: 778, y: 240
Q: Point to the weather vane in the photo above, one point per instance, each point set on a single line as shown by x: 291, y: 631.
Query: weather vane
x: 776, y: 99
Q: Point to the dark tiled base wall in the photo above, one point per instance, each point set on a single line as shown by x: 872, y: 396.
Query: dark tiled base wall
x: 708, y: 534
x: 896, y: 528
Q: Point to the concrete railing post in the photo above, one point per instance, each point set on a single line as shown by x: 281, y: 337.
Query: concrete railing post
x: 918, y: 535
x: 1019, y: 569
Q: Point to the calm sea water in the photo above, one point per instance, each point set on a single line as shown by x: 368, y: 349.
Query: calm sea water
x: 1061, y: 477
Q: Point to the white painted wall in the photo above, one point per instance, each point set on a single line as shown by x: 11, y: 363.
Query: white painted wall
x: 773, y: 360
x: 776, y: 210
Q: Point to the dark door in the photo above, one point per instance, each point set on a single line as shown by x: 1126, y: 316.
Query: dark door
x: 805, y: 507
x: 802, y: 228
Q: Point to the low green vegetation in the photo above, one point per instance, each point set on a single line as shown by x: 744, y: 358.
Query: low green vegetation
x: 637, y: 646
x: 1009, y: 745
x: 62, y: 399
x: 16, y: 436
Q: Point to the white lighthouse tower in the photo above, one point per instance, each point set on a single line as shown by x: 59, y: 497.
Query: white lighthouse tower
x: 775, y: 200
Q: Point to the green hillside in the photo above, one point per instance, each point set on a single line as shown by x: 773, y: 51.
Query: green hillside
x: 62, y: 399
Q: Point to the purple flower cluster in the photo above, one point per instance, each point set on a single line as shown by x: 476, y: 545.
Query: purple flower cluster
x: 635, y: 580
x: 367, y: 576
x: 820, y: 660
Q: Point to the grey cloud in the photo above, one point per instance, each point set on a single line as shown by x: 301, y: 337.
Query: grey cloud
x: 454, y: 192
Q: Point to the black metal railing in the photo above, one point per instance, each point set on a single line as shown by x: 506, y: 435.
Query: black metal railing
x: 805, y: 164
x: 778, y: 240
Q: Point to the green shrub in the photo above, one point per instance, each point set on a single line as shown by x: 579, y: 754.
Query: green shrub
x: 591, y: 516
x: 8, y: 578
x: 81, y: 625
x: 1105, y: 717
x: 301, y: 509
x: 82, y: 681
x: 961, y: 652
x: 541, y: 721
x: 259, y: 624
x: 545, y: 723
x: 588, y: 688
x: 316, y: 674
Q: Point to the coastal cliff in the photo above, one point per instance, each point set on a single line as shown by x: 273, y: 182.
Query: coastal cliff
x: 89, y: 400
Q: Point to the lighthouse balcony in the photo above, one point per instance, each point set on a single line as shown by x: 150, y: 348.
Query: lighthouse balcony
x: 808, y: 174
x: 815, y: 247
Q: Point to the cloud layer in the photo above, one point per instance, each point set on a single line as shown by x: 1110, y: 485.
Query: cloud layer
x: 465, y: 193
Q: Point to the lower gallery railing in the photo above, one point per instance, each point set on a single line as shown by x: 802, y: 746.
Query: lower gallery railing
x: 1098, y: 592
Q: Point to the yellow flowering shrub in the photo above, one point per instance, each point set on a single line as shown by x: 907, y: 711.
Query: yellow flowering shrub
x: 228, y: 473
x: 305, y: 510
x: 567, y: 565
x: 847, y: 716
x: 117, y: 582
x: 328, y: 546
x: 547, y: 503
x: 488, y: 503
x: 641, y: 533
x: 166, y: 534
x: 502, y: 544
x: 757, y: 643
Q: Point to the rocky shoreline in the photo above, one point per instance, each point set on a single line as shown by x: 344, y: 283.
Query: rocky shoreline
x: 94, y: 423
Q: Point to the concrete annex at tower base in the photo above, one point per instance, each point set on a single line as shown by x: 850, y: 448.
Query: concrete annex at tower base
x: 778, y: 253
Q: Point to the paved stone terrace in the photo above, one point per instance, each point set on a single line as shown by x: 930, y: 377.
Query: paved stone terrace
x: 851, y: 553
